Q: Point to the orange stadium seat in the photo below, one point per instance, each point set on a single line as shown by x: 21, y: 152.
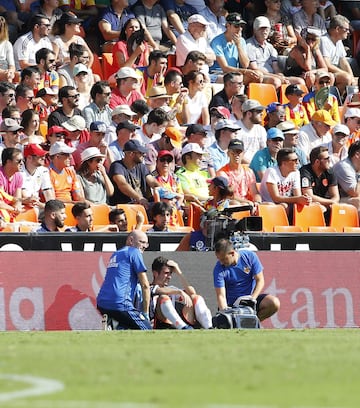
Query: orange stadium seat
x: 321, y: 229
x: 97, y: 67
x: 107, y: 65
x: 264, y: 93
x: 30, y: 215
x: 306, y: 216
x: 272, y: 215
x: 70, y: 219
x: 343, y: 215
x: 287, y: 228
x: 100, y: 214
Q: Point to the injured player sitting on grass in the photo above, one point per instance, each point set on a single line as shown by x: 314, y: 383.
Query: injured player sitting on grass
x: 172, y: 307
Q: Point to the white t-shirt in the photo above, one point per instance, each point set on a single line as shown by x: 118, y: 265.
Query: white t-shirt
x: 308, y: 139
x: 285, y: 185
x: 196, y: 104
x: 254, y: 139
x: 32, y: 184
x: 186, y: 43
x: 332, y: 51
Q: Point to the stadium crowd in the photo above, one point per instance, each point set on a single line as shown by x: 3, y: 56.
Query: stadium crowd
x: 172, y: 114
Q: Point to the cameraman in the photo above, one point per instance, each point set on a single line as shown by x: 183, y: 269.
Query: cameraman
x: 241, y: 274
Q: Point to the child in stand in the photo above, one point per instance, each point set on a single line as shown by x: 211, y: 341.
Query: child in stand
x: 295, y: 110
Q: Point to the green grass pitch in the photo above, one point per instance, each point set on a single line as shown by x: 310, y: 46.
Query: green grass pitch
x: 205, y: 369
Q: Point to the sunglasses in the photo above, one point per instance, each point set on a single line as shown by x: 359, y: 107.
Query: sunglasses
x: 166, y: 159
x: 293, y: 160
x: 277, y: 139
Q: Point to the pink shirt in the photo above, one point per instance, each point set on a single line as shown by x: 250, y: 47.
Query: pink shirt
x: 10, y: 186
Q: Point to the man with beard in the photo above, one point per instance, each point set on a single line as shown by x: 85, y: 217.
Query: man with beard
x: 54, y: 216
x: 45, y: 61
x: 69, y: 99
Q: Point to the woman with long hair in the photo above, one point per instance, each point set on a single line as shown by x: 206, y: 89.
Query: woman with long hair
x: 92, y: 175
x: 7, y: 62
x: 30, y: 121
x: 67, y: 31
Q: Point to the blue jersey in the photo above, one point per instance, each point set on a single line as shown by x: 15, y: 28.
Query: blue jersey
x: 118, y: 290
x: 238, y: 279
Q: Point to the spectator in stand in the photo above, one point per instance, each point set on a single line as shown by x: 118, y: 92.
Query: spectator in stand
x: 173, y: 83
x: 195, y: 61
x: 312, y: 104
x: 214, y: 13
x: 233, y: 85
x: 54, y: 134
x: 11, y: 179
x: 63, y: 177
x: 153, y: 74
x: 30, y: 121
x: 69, y: 100
x: 352, y: 121
x: 158, y: 98
x: 7, y: 62
x: 82, y: 85
x: 12, y: 112
x: 54, y: 216
x: 295, y: 110
x: 93, y: 177
x: 119, y: 114
x: 307, y: 16
x: 125, y: 131
x: 252, y: 133
x: 275, y: 113
x: 48, y: 8
x: 332, y: 48
x: 154, y: 127
x: 67, y: 31
x: 50, y: 97
x: 83, y: 215
x: 131, y: 50
x: 30, y: 76
x: 127, y: 88
x: 236, y: 107
x: 7, y: 95
x: 216, y: 113
x: 28, y: 44
x: 153, y: 17
x: 160, y: 215
x: 266, y: 157
x: 10, y: 134
x: 317, y: 132
x: 112, y: 21
x: 45, y: 61
x: 240, y: 177
x: 291, y: 135
x: 131, y: 178
x: 337, y: 147
x: 99, y: 109
x: 77, y: 131
x: 281, y: 184
x: 347, y: 172
x: 318, y: 180
x: 178, y: 13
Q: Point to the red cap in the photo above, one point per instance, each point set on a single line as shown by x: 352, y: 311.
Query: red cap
x: 223, y: 111
x: 163, y: 153
x: 33, y: 150
x: 57, y: 129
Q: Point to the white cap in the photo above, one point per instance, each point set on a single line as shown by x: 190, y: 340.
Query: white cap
x: 261, y: 22
x: 125, y: 109
x: 90, y: 153
x: 127, y: 72
x: 197, y: 18
x: 352, y: 113
x: 341, y: 129
x: 192, y: 147
x: 226, y: 124
x: 80, y: 68
x: 60, y: 147
x: 76, y: 122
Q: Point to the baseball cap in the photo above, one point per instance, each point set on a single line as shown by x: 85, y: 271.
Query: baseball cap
x: 220, y: 182
x: 98, y: 126
x: 274, y: 133
x: 192, y: 147
x: 76, y: 122
x: 60, y: 147
x: 341, y: 129
x: 69, y: 18
x: 197, y: 18
x: 260, y: 22
x: 33, y: 149
x: 127, y: 72
x: 127, y: 125
x: 46, y: 91
x: 163, y: 153
x: 57, y: 129
x: 236, y: 144
x: 134, y: 145
x: 287, y: 127
x: 80, y: 68
x: 322, y: 74
x: 125, y: 109
x: 251, y: 104
x: 166, y: 194
x: 158, y: 92
x: 10, y: 125
x: 221, y: 110
x: 272, y: 107
x: 195, y: 128
x: 235, y: 19
x: 293, y: 90
x: 323, y: 116
x: 175, y: 135
x: 90, y: 153
x: 226, y: 124
x: 352, y: 113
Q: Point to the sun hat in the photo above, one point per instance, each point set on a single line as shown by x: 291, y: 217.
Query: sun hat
x: 60, y: 147
x: 90, y: 153
x: 175, y: 136
x: 76, y: 122
x: 10, y: 125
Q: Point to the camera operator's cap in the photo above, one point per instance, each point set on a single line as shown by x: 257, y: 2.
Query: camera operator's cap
x: 323, y: 116
x: 10, y: 125
x: 226, y: 124
x: 251, y: 104
x: 221, y: 110
x: 164, y: 153
x: 127, y: 72
x: 33, y: 149
x: 167, y: 194
x: 79, y: 68
x: 60, y: 147
x: 192, y: 147
x: 293, y: 90
x: 236, y: 144
x: 90, y: 153
x: 274, y: 133
x: 235, y: 19
x: 175, y: 136
x: 287, y: 127
x: 46, y: 91
x: 134, y: 145
x: 76, y: 122
x: 352, y: 113
x: 220, y: 182
x: 197, y: 18
x: 195, y: 128
x: 127, y: 125
x: 157, y: 92
x: 57, y: 129
x: 98, y: 126
x: 341, y: 129
x: 69, y: 18
x: 261, y: 22
x: 123, y: 109
x: 272, y: 107
x: 322, y: 74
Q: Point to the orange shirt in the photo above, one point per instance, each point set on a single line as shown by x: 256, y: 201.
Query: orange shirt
x: 65, y: 183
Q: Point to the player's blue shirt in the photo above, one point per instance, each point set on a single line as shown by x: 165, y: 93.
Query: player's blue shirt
x: 118, y: 289
x: 238, y: 280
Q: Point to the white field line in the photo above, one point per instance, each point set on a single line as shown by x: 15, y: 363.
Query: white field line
x: 39, y: 386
